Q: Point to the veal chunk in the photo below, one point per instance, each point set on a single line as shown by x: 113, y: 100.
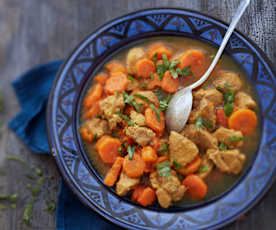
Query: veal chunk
x: 168, y: 189
x: 230, y: 137
x: 244, y: 101
x: 147, y: 94
x: 137, y: 118
x: 229, y: 161
x: 97, y: 127
x: 125, y: 184
x: 141, y: 135
x: 110, y: 106
x: 207, y: 166
x: 181, y: 149
x: 202, y: 138
x: 212, y: 95
x: 226, y: 80
x: 206, y: 110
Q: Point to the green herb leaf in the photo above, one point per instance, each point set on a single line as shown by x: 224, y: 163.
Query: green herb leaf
x: 131, y: 123
x: 164, y: 169
x: 236, y: 138
x: 151, y: 76
x: 179, y: 175
x: 132, y: 79
x: 35, y: 190
x: 212, y: 56
x: 155, y: 59
x: 165, y: 61
x: 123, y: 116
x: 159, y: 94
x: 203, y: 168
x: 174, y: 64
x: 218, y: 88
x: 142, y: 97
x: 228, y: 109
x: 130, y: 151
x: 200, y: 122
x: 174, y: 73
x: 186, y: 71
x: 163, y: 148
x: 177, y: 165
x: 28, y: 212
x: 15, y: 158
x: 222, y: 146
x: 129, y: 99
x: 165, y: 103
x: 160, y: 70
x: 99, y: 116
x: 51, y: 206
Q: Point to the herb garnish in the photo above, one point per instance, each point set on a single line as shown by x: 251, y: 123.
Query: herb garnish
x: 129, y: 99
x: 130, y: 151
x: 132, y: 79
x: 165, y: 103
x: 203, y: 168
x: 157, y: 112
x: 200, y: 122
x: 131, y: 123
x: 142, y: 97
x: 164, y: 169
x: 151, y: 76
x: 155, y: 59
x: 122, y: 148
x: 123, y: 116
x: 177, y: 165
x: 222, y: 146
x: 163, y: 148
x: 236, y: 138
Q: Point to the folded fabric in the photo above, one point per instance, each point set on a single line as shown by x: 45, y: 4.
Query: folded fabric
x: 32, y: 90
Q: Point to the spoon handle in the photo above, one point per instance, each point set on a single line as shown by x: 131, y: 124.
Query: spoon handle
x: 243, y: 5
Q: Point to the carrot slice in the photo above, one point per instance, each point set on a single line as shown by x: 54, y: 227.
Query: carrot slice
x: 158, y: 49
x: 108, y: 149
x: 154, y: 82
x: 94, y: 95
x: 149, y: 167
x: 149, y: 155
x: 93, y: 111
x: 169, y: 84
x: 114, y: 172
x: 244, y: 120
x: 85, y: 134
x: 115, y: 66
x: 99, y: 141
x: 162, y: 159
x: 147, y: 197
x: 137, y: 192
x: 117, y: 82
x: 101, y: 78
x: 195, y: 59
x: 153, y: 122
x: 134, y: 168
x: 144, y: 67
x: 192, y: 167
x: 196, y: 186
x: 155, y: 143
x: 221, y: 118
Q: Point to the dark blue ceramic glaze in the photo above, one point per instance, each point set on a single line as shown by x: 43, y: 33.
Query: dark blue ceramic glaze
x: 74, y: 77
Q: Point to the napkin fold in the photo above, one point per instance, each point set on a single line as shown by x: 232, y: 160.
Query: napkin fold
x: 32, y: 90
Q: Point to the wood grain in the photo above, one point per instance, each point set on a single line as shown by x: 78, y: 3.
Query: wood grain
x: 34, y: 32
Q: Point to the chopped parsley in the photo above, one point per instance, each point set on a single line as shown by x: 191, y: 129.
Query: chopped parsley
x: 123, y: 116
x: 222, y: 146
x: 122, y: 148
x: 177, y: 165
x: 218, y: 88
x: 142, y: 97
x: 151, y: 76
x: 186, y: 71
x: 203, y: 168
x: 129, y: 99
x: 164, y: 169
x: 165, y: 103
x: 131, y: 123
x: 155, y: 59
x: 200, y: 122
x: 130, y: 151
x: 163, y: 148
x: 132, y: 79
x: 236, y: 139
x: 157, y: 112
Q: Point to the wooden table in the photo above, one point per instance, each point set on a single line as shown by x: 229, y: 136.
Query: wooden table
x: 34, y: 32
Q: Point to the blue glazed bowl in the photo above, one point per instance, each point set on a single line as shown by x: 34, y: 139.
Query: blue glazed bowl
x: 77, y: 72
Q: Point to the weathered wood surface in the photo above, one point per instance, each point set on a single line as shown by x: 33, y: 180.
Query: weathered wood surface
x: 37, y: 31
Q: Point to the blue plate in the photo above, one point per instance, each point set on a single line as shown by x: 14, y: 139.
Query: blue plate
x: 75, y: 75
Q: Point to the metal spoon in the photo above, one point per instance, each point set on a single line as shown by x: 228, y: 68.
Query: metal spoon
x: 181, y: 103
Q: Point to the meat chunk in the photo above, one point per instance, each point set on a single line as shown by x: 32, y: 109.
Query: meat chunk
x: 169, y: 188
x: 206, y: 167
x: 244, y: 101
x: 229, y: 161
x: 230, y: 137
x: 137, y: 118
x: 132, y: 84
x: 149, y: 95
x: 206, y: 110
x: 133, y: 56
x: 141, y: 135
x: 97, y: 127
x: 225, y: 78
x: 212, y: 95
x: 202, y: 138
x: 110, y: 106
x: 125, y: 184
x: 181, y: 148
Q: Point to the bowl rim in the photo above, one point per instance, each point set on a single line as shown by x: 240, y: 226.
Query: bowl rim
x: 79, y: 45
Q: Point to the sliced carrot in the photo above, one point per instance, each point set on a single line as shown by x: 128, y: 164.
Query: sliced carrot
x: 147, y: 197
x: 144, y: 67
x: 158, y: 49
x: 134, y: 168
x: 244, y: 120
x: 192, y: 167
x: 221, y: 118
x: 195, y: 59
x: 117, y: 82
x: 85, y: 134
x: 108, y: 149
x: 149, y: 167
x: 99, y: 141
x: 93, y: 111
x: 155, y: 143
x: 137, y: 192
x: 149, y: 155
x: 169, y: 84
x: 93, y: 95
x: 114, y: 172
x: 101, y: 78
x: 196, y: 186
x: 155, y: 82
x: 153, y: 122
x: 162, y: 159
x: 115, y: 66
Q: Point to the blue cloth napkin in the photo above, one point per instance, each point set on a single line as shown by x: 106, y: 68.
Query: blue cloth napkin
x: 32, y: 90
